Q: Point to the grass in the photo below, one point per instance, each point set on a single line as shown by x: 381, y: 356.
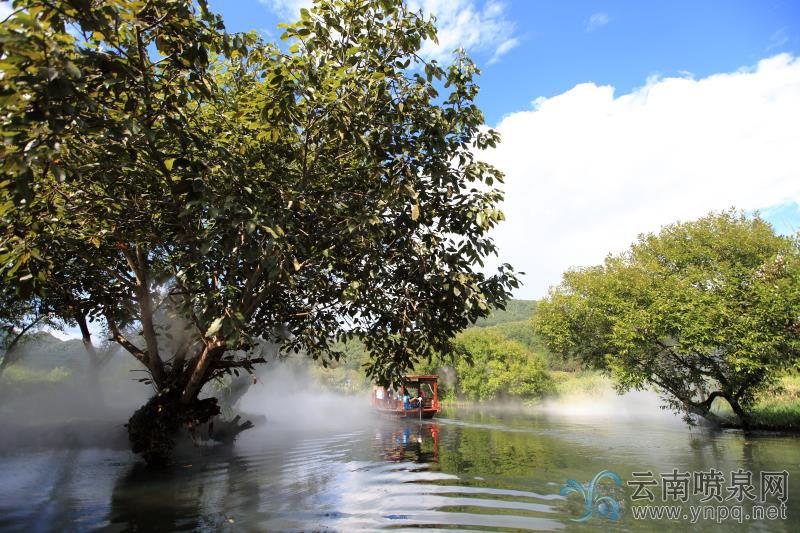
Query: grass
x: 581, y: 383
x: 22, y: 374
x: 776, y: 409
x: 777, y: 416
x: 779, y: 408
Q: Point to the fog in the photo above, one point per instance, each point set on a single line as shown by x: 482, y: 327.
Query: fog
x: 284, y: 396
x: 78, y: 410
x: 289, y: 398
x: 607, y: 403
x: 84, y: 411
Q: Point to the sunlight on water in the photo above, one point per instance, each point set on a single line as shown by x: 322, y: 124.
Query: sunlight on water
x: 469, y: 469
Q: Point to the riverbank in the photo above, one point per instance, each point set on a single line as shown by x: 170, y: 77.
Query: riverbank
x: 775, y: 410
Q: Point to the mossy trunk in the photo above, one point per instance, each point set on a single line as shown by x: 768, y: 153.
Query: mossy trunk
x: 154, y: 428
x: 744, y: 419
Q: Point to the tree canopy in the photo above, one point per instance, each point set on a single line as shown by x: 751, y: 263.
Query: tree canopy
x: 490, y: 366
x: 196, y: 191
x: 701, y: 310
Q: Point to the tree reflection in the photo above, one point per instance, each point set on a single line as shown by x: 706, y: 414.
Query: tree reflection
x: 417, y: 442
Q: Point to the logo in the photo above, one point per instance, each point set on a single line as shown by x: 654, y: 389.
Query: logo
x: 592, y: 503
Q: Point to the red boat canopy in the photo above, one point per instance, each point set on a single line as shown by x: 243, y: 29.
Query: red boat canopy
x: 422, y: 377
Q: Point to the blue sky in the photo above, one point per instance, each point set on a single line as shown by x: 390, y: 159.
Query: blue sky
x: 618, y: 117
x: 618, y: 43
x: 633, y: 40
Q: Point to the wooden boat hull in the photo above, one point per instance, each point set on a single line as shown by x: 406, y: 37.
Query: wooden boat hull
x: 407, y: 413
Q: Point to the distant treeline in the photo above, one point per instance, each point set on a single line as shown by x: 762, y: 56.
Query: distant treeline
x: 705, y: 312
x: 500, y: 357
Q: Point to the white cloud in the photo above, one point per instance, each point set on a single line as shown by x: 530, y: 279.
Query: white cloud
x: 779, y: 38
x: 288, y: 8
x: 5, y: 10
x: 463, y: 23
x: 587, y: 171
x: 597, y: 20
x: 460, y: 23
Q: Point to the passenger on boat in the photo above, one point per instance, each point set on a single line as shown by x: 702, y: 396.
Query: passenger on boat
x: 411, y: 403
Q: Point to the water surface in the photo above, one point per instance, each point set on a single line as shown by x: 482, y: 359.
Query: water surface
x: 466, y: 470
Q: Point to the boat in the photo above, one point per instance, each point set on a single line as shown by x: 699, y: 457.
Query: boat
x: 422, y: 400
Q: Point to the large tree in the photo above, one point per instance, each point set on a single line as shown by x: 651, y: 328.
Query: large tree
x: 207, y: 191
x: 702, y: 310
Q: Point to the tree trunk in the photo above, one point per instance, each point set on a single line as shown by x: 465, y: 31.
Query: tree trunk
x: 744, y: 419
x: 95, y: 361
x: 154, y: 427
x: 199, y: 373
x: 176, y: 412
x: 703, y: 409
x: 705, y: 413
x: 10, y: 356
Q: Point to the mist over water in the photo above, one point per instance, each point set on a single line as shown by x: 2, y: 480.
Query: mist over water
x: 319, y: 460
x: 75, y: 411
x: 290, y: 399
x: 633, y: 405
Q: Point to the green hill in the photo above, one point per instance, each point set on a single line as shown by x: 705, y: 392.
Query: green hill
x: 515, y: 311
x: 43, y: 351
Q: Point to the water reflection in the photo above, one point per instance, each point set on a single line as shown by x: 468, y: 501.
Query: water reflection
x: 484, y: 470
x: 413, y: 442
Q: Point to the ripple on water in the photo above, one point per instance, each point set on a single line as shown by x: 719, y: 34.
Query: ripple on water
x: 369, y: 494
x: 452, y: 474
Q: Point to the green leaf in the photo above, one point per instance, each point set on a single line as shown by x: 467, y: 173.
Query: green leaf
x: 215, y: 326
x: 72, y: 70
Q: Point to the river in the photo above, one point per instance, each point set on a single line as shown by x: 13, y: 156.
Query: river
x: 468, y: 469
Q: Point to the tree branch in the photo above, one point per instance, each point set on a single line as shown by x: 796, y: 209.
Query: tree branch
x: 125, y: 343
x: 8, y: 360
x: 211, y: 352
x: 139, y: 267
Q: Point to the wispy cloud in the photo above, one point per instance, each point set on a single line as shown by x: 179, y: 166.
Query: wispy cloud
x: 778, y: 38
x: 479, y: 28
x: 287, y: 8
x: 596, y: 21
x: 587, y: 170
x: 504, y: 47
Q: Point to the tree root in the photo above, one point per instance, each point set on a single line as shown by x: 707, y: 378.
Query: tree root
x: 154, y: 427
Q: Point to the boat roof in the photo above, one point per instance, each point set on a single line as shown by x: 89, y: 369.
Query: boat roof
x: 421, y: 377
